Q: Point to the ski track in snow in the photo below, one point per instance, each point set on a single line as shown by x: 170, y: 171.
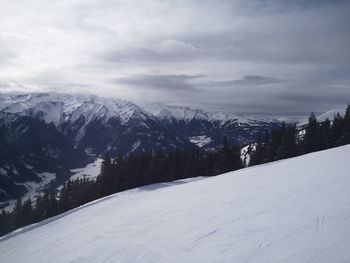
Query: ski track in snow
x: 294, y: 210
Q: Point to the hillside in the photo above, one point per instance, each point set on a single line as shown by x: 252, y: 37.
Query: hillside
x: 109, y: 125
x: 295, y: 210
x: 89, y: 126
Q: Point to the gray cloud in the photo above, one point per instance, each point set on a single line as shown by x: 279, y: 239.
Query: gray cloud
x: 5, y: 56
x: 163, y: 82
x: 256, y: 80
x: 256, y: 56
x: 192, y: 82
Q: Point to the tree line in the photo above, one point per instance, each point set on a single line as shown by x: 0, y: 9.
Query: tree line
x: 120, y: 174
x: 289, y: 141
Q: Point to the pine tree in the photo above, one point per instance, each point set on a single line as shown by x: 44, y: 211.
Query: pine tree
x: 6, y: 222
x: 17, y: 214
x: 259, y: 154
x: 288, y: 146
x: 27, y: 212
x: 346, y: 131
x: 311, y: 141
x: 337, y: 130
x: 326, y: 134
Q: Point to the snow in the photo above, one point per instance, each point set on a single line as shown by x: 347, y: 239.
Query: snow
x: 59, y: 107
x: 81, y: 110
x: 295, y: 210
x: 245, y: 153
x: 28, y: 166
x: 135, y: 146
x: 50, y: 112
x: 170, y: 112
x: 200, y: 140
x: 187, y: 114
x: 33, y: 188
x: 91, y: 170
x: 3, y: 171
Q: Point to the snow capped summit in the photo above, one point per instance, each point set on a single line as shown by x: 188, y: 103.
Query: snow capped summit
x: 57, y: 107
x: 94, y: 122
x: 187, y: 114
x: 169, y: 112
x: 50, y: 112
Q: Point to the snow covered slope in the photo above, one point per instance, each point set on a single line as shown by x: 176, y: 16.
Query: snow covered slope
x: 295, y: 210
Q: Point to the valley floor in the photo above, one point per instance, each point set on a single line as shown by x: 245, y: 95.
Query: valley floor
x: 295, y: 210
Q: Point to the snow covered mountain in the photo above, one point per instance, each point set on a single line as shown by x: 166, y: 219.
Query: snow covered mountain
x: 104, y: 125
x: 207, y: 129
x: 295, y: 210
x: 54, y: 133
x: 33, y: 155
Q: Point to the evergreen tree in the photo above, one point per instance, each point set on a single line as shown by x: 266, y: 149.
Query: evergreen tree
x: 257, y: 156
x: 346, y: 131
x: 6, y: 222
x: 312, y: 140
x: 18, y: 220
x: 288, y: 146
x: 27, y: 212
x: 337, y: 130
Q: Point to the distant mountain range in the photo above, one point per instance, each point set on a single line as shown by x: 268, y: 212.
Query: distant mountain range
x: 44, y: 136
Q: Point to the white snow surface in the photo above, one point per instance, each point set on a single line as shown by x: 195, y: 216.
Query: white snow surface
x: 294, y: 210
x: 245, y: 153
x: 135, y: 146
x: 200, y: 140
x: 91, y: 170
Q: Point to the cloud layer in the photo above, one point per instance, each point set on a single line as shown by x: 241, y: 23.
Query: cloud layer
x: 251, y: 56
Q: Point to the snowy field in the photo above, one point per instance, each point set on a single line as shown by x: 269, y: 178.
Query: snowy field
x: 90, y: 171
x: 296, y: 210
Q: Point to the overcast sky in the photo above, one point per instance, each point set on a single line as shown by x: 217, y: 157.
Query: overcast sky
x: 246, y: 56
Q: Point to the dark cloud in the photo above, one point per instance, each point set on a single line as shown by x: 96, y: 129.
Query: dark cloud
x: 252, y: 56
x: 175, y: 51
x: 256, y: 80
x: 162, y: 82
x: 192, y: 82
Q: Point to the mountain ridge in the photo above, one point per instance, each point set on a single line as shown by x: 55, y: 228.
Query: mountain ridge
x: 20, y: 102
x: 93, y: 126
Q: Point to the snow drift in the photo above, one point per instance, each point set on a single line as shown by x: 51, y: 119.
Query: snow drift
x: 295, y: 210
